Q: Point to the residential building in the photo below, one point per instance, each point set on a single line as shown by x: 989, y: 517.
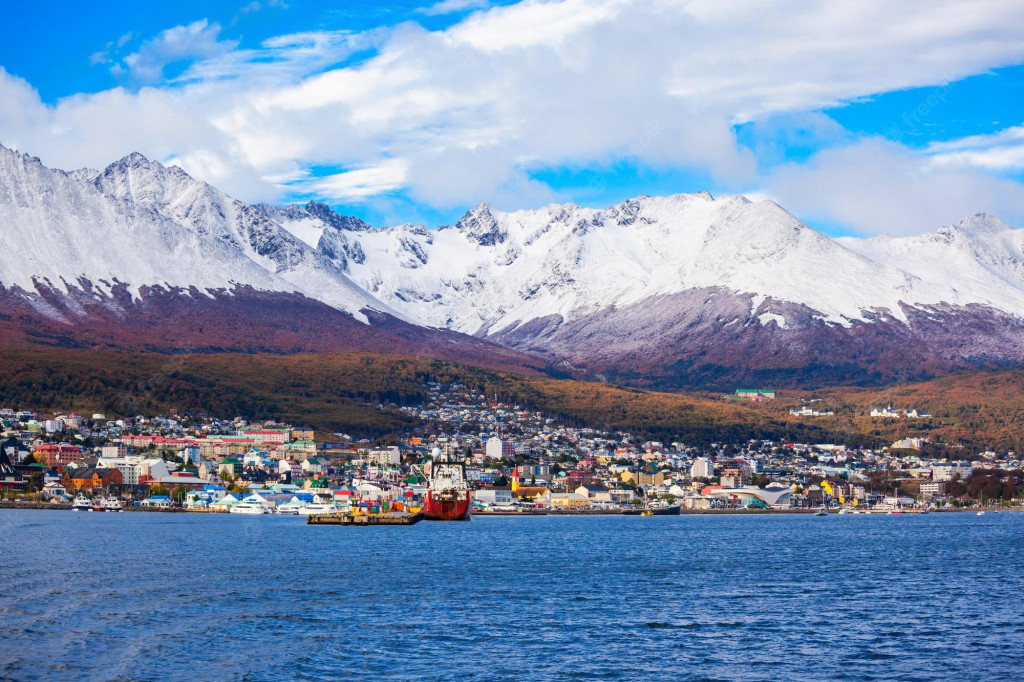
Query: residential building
x: 932, y: 489
x: 702, y: 467
x: 947, y: 471
x: 58, y: 456
x: 114, y: 451
x: 500, y: 449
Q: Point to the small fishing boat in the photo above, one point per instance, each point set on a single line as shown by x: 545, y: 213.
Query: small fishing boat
x: 821, y: 512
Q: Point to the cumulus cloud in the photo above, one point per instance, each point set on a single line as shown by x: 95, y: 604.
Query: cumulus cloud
x: 469, y: 113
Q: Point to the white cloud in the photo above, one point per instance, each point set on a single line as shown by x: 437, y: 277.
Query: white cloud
x: 452, y: 6
x: 359, y: 184
x: 103, y: 56
x: 197, y: 40
x: 876, y: 187
x: 1002, y: 151
x: 463, y: 115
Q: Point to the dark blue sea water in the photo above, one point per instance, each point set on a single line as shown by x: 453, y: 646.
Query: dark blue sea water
x: 220, y: 597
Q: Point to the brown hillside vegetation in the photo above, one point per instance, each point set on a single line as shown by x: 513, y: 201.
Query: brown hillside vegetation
x: 978, y: 409
x: 342, y: 391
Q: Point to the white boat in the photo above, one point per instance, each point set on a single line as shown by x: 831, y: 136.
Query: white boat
x: 821, y: 512
x: 981, y: 513
x: 314, y: 508
x: 81, y: 503
x: 247, y: 508
x: 844, y: 510
x: 112, y: 504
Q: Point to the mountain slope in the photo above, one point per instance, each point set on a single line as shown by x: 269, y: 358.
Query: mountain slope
x: 494, y: 271
x: 691, y: 290
x: 142, y: 256
x: 669, y: 292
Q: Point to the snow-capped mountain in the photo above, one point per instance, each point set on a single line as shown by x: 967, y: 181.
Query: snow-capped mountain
x: 978, y: 260
x: 667, y: 291
x: 669, y: 281
x: 143, y: 224
x: 142, y: 255
x: 495, y: 271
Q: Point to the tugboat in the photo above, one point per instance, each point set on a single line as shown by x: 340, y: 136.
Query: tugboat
x: 447, y: 497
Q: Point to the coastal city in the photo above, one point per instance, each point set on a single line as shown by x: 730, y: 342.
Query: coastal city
x: 508, y: 459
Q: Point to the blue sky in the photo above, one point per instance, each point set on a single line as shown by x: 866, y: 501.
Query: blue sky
x: 860, y: 120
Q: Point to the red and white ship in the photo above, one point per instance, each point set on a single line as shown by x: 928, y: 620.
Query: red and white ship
x: 447, y: 497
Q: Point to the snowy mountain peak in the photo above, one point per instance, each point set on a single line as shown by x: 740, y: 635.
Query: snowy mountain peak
x: 135, y: 159
x: 330, y: 217
x: 981, y: 224
x: 480, y: 224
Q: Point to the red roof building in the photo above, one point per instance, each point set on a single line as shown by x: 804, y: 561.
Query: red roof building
x: 58, y: 456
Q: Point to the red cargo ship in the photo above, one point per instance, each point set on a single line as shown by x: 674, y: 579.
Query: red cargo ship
x: 447, y: 497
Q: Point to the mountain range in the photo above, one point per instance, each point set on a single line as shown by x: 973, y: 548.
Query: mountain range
x: 670, y: 292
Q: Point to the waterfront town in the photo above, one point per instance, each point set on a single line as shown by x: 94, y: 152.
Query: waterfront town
x: 515, y: 460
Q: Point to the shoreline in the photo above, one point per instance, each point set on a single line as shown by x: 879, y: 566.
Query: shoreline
x: 38, y: 506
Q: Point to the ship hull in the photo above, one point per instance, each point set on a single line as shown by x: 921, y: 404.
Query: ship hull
x: 446, y: 508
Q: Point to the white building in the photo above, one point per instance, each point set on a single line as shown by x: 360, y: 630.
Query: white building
x: 946, y: 471
x: 134, y: 469
x: 496, y: 498
x: 499, y: 449
x: 385, y: 456
x: 290, y: 466
x: 702, y: 467
x: 313, y: 466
